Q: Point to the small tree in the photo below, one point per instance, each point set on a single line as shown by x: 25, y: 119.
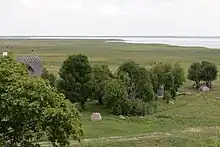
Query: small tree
x: 30, y: 108
x: 100, y: 75
x: 49, y: 76
x: 76, y: 75
x: 115, y: 95
x: 137, y: 81
x: 194, y: 73
x: 209, y: 73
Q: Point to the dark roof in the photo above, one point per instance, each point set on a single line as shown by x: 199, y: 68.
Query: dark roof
x: 28, y: 59
x: 34, y: 62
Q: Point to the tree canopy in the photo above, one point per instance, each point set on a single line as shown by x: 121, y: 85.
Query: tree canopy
x: 31, y: 109
x: 76, y: 75
x: 204, y: 71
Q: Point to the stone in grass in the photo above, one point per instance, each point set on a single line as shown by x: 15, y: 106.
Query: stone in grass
x: 96, y: 116
x: 171, y: 102
x: 121, y: 117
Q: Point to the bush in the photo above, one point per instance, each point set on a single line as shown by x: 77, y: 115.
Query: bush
x: 117, y: 100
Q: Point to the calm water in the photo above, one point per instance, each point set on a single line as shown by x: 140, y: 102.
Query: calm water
x: 180, y: 41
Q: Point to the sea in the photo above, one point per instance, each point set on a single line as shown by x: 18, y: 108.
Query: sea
x: 212, y: 42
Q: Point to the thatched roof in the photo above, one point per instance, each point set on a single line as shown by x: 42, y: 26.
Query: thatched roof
x: 34, y: 64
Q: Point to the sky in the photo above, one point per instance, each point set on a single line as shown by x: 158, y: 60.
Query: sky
x: 110, y: 17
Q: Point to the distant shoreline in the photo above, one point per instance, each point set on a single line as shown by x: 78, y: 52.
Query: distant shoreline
x: 48, y: 36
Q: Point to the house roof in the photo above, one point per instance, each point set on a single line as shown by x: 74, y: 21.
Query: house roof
x: 34, y: 62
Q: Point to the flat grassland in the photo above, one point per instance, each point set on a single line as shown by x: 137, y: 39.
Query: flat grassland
x: 193, y: 121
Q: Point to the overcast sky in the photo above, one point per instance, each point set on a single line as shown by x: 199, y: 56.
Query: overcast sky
x: 110, y: 17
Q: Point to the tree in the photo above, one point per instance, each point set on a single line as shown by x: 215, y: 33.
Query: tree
x: 208, y: 73
x: 204, y: 71
x: 137, y: 81
x: 100, y: 75
x: 49, y: 76
x: 76, y: 75
x: 30, y: 108
x: 115, y: 95
x: 194, y: 73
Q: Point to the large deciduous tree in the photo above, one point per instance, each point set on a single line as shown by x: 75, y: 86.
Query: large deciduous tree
x: 31, y: 109
x: 76, y: 75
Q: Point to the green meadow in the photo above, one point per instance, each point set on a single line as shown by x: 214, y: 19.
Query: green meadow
x: 193, y: 121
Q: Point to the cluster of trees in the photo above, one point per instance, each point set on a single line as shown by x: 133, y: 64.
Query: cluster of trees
x: 31, y: 109
x: 35, y: 108
x: 202, y: 71
x: 131, y: 90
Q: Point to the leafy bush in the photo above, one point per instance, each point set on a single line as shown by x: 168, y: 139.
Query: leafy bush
x: 117, y: 100
x: 30, y: 108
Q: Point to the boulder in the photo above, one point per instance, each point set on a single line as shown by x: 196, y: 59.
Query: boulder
x: 188, y: 93
x: 204, y: 88
x: 121, y: 117
x: 96, y: 116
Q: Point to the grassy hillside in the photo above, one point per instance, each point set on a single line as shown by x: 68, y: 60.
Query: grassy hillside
x: 192, y: 121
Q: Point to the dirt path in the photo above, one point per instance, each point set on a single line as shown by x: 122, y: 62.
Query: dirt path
x: 145, y: 136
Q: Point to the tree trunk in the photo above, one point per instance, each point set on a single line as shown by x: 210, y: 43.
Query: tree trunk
x: 197, y: 84
x: 100, y: 100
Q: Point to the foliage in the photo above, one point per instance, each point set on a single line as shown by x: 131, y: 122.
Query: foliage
x: 115, y: 94
x: 137, y: 81
x: 172, y: 77
x: 194, y: 73
x: 204, y: 71
x: 30, y: 108
x: 76, y: 75
x: 100, y: 75
x: 209, y: 73
x: 49, y: 76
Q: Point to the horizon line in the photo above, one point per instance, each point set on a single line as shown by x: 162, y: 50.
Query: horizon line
x: 125, y: 36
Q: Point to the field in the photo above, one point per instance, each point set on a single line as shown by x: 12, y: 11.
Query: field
x: 192, y: 121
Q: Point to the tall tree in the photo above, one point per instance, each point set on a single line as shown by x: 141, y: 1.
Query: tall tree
x: 76, y: 75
